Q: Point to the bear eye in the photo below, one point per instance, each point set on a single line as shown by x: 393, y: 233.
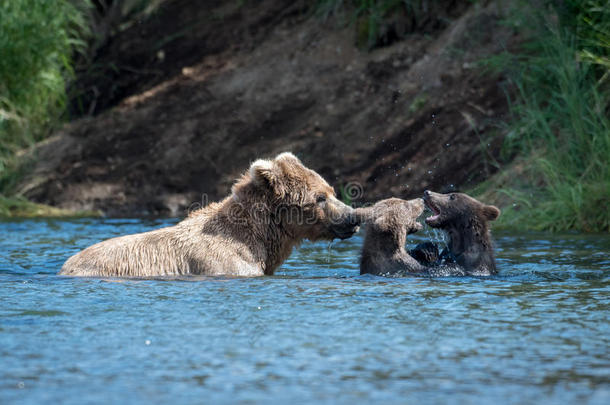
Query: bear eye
x: 452, y: 197
x: 321, y: 198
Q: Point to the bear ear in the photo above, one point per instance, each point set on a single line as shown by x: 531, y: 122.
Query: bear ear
x: 491, y: 212
x: 262, y: 172
x: 381, y: 222
x: 287, y: 156
x: 384, y: 222
x: 265, y: 173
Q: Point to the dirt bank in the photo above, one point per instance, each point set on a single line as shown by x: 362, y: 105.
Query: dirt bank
x: 184, y: 115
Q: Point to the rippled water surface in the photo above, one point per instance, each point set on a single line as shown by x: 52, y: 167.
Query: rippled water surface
x: 316, y: 332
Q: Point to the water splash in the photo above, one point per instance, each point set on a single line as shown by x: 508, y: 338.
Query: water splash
x: 329, y: 252
x: 436, y: 236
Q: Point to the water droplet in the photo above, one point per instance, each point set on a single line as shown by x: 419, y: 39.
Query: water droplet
x: 258, y: 307
x: 447, y: 144
x: 147, y: 342
x: 429, y: 171
x: 330, y: 252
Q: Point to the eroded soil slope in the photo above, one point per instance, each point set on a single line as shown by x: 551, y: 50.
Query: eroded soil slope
x: 200, y: 92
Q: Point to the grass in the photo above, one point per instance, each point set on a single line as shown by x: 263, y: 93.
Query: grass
x: 559, y: 130
x: 38, y: 39
x: 560, y: 126
x: 19, y: 207
x: 372, y: 18
x: 418, y: 103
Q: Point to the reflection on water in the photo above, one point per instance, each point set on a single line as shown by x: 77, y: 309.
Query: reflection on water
x: 317, y: 331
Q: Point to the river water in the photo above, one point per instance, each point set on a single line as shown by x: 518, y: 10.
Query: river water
x: 317, y: 331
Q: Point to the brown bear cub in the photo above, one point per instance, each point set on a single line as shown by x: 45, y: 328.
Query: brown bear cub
x: 466, y: 222
x: 388, y: 223
x: 274, y: 206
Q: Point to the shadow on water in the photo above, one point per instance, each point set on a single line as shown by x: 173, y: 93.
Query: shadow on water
x: 316, y: 331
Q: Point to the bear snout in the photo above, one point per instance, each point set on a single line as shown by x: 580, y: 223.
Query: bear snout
x: 429, y: 195
x: 346, y: 231
x: 347, y: 225
x: 353, y: 219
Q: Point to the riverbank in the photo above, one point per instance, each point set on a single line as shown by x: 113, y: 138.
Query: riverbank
x: 270, y: 77
x: 388, y: 105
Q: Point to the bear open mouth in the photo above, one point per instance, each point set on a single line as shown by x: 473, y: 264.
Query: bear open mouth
x: 435, y: 211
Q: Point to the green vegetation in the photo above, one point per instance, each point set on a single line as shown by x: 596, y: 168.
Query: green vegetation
x: 560, y: 127
x: 38, y: 39
x: 557, y: 146
x: 418, y: 103
x: 372, y: 17
x: 22, y: 208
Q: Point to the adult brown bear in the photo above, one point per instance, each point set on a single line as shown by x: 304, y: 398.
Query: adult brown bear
x: 274, y: 206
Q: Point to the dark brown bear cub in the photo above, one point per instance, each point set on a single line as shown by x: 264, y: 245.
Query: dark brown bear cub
x: 387, y: 224
x: 466, y: 222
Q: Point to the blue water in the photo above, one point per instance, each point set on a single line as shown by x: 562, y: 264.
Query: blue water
x: 538, y: 332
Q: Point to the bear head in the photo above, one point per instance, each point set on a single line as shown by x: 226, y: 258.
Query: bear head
x: 296, y: 199
x: 456, y: 209
x: 393, y: 217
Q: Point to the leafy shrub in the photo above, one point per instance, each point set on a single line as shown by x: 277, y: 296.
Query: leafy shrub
x: 560, y: 124
x: 37, y: 41
x: 380, y: 22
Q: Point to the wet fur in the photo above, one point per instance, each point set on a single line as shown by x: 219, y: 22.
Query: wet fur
x: 387, y: 224
x: 466, y: 222
x: 249, y: 233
